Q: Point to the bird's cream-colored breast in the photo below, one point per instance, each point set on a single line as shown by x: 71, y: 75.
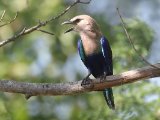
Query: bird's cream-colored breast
x: 90, y: 45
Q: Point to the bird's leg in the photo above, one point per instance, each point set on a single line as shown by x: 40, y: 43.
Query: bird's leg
x: 86, y: 80
x: 103, y: 77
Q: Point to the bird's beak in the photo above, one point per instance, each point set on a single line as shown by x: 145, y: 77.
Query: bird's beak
x: 70, y: 29
x: 67, y: 22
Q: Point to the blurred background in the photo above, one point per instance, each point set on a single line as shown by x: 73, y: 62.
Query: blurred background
x: 40, y: 57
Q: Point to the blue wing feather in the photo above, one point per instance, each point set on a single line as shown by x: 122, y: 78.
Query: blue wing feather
x: 82, y: 53
x: 81, y: 50
x: 107, y: 53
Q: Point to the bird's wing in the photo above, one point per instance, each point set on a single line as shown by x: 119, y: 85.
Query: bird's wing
x: 107, y: 53
x: 81, y: 51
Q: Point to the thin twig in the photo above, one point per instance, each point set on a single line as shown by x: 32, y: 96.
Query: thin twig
x: 2, y: 16
x: 131, y: 42
x: 41, y: 23
x: 45, y: 32
x: 10, y: 20
x: 84, y: 2
x: 71, y: 88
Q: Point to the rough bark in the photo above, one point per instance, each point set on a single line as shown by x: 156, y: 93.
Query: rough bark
x: 34, y: 89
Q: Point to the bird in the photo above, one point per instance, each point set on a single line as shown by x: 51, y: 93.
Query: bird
x: 94, y: 50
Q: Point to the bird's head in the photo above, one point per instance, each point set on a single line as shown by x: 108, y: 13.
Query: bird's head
x: 83, y: 24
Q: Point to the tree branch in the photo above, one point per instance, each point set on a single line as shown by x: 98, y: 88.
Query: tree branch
x: 9, y: 21
x: 2, y: 16
x: 40, y: 24
x: 131, y: 41
x: 34, y: 89
x: 44, y: 31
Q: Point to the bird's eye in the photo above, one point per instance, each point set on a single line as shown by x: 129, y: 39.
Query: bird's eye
x: 77, y: 20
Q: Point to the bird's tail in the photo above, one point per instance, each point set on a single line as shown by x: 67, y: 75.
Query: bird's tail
x: 108, y: 94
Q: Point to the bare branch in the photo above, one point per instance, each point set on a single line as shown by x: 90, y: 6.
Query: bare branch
x: 2, y: 16
x: 45, y: 32
x: 34, y: 89
x: 86, y: 2
x: 10, y: 21
x: 131, y: 42
x: 41, y: 24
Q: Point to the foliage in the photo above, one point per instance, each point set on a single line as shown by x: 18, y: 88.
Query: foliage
x: 40, y: 57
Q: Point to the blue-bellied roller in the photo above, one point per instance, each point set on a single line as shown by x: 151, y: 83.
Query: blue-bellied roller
x: 94, y: 50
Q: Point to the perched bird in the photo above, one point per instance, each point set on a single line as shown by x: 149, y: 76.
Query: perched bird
x: 94, y: 50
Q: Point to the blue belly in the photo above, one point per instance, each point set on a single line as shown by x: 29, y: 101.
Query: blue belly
x: 96, y: 64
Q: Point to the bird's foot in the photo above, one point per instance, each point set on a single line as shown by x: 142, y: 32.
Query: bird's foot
x: 86, y: 81
x: 103, y: 77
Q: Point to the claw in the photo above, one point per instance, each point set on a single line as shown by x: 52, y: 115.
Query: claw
x: 87, y: 83
x: 86, y: 80
x: 103, y: 77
